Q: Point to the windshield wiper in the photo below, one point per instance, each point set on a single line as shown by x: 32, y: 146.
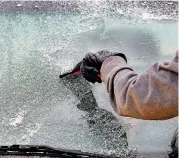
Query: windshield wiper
x: 32, y: 150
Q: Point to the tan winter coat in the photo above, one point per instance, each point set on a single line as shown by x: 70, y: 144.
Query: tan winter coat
x: 151, y: 95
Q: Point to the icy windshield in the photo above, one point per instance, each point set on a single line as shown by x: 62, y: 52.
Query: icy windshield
x: 40, y: 40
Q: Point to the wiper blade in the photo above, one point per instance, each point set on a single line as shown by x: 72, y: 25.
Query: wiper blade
x: 32, y: 150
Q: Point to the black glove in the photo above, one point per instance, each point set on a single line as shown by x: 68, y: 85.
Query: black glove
x: 91, y: 64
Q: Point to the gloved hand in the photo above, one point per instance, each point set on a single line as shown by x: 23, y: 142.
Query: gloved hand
x: 91, y: 64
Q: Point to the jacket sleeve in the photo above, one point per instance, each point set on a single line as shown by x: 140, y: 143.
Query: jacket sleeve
x: 151, y: 95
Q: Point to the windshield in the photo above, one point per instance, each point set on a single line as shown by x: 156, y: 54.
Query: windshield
x: 41, y: 40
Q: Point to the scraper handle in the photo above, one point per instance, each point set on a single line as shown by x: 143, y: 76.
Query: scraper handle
x: 75, y: 71
x: 65, y: 74
x: 79, y: 73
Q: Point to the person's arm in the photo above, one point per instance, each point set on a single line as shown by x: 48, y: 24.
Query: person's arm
x: 151, y: 95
